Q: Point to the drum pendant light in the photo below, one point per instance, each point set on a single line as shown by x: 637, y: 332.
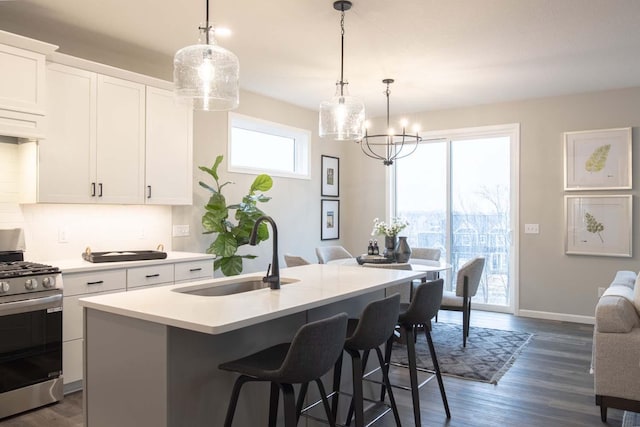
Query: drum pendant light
x: 342, y: 117
x: 206, y: 75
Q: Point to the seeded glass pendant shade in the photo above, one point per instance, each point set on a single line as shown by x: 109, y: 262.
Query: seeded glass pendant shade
x: 342, y: 117
x: 206, y: 75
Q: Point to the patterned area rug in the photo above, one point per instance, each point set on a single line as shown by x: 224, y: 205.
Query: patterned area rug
x: 488, y: 355
x: 630, y: 419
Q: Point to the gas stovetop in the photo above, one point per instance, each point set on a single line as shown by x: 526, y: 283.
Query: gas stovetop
x: 25, y: 268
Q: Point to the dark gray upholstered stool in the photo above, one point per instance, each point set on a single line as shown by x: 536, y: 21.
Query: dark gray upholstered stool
x: 311, y: 354
x: 375, y: 326
x: 422, y: 308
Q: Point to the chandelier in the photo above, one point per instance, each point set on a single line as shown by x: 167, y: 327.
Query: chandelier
x: 390, y: 146
x: 342, y: 117
x: 205, y: 75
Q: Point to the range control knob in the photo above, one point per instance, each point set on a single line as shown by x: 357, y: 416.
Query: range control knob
x: 31, y: 284
x: 4, y: 287
x: 49, y: 282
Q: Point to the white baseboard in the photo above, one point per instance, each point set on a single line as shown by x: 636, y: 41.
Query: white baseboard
x: 589, y: 320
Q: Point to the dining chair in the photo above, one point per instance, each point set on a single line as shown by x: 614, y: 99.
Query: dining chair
x: 294, y: 260
x: 426, y: 256
x: 329, y: 253
x: 467, y: 282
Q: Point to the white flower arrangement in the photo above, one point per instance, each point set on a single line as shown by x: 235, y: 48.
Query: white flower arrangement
x: 391, y: 230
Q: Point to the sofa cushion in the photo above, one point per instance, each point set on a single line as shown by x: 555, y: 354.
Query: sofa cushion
x: 636, y: 295
x: 625, y: 278
x: 616, y: 313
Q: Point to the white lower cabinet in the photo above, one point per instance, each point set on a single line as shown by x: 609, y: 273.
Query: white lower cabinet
x: 99, y: 282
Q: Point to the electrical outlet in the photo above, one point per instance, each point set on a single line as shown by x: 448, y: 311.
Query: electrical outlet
x: 531, y: 228
x: 181, y: 230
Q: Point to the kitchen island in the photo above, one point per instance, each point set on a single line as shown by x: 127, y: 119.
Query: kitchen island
x: 151, y: 355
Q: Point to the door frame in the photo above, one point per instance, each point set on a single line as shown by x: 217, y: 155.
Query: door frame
x: 512, y: 130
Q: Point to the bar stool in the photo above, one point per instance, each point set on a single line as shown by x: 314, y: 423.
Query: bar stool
x: 375, y: 326
x: 312, y: 353
x: 422, y: 308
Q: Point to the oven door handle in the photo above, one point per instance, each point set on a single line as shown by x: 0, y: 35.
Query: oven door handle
x: 35, y: 304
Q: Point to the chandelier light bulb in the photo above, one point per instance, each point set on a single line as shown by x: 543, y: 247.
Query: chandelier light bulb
x: 206, y: 70
x: 391, y: 131
x: 416, y: 128
x: 404, y: 123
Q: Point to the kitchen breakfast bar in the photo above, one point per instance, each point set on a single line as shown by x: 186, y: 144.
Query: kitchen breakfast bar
x: 152, y: 355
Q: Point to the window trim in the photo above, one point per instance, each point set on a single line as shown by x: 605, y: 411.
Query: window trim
x: 302, y: 144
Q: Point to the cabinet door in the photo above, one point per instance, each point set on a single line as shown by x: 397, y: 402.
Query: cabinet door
x: 66, y: 159
x: 169, y: 152
x: 120, y: 141
x: 21, y: 80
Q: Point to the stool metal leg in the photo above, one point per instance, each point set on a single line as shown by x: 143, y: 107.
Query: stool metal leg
x: 289, y: 403
x: 235, y: 393
x: 301, y: 396
x: 413, y: 375
x: 436, y: 367
x: 337, y: 374
x: 358, y: 395
x: 385, y: 378
x: 325, y: 402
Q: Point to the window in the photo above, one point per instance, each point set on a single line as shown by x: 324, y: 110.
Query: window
x: 259, y: 146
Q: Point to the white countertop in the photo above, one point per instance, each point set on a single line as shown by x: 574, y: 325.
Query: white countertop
x: 77, y: 265
x: 318, y: 285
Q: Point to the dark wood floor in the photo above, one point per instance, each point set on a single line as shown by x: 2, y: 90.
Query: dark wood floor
x: 549, y: 385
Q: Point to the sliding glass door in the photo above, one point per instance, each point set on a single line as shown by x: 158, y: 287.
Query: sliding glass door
x: 458, y: 192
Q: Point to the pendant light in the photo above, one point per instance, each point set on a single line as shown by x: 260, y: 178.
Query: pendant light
x: 391, y: 145
x: 205, y: 75
x: 342, y: 117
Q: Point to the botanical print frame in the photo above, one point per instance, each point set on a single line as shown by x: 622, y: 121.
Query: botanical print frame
x: 599, y: 225
x: 330, y: 176
x: 329, y: 219
x: 598, y: 160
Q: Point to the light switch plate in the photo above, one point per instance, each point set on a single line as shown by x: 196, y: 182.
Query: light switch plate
x: 531, y: 228
x: 181, y: 230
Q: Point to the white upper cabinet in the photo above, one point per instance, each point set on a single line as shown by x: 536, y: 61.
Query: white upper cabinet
x: 67, y: 158
x: 120, y: 141
x: 22, y: 86
x: 169, y: 149
x: 94, y: 152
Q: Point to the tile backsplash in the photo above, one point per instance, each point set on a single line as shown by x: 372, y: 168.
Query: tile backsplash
x: 62, y: 231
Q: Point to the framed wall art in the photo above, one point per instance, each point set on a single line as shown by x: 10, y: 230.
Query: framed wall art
x: 598, y: 160
x: 330, y: 219
x: 330, y: 176
x: 599, y: 225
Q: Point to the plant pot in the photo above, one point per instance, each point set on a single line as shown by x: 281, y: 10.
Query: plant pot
x: 402, y: 250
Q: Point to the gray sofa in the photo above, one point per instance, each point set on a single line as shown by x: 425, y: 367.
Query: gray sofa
x: 616, y: 347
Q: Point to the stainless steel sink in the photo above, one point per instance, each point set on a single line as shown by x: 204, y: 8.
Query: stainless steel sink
x: 246, y: 284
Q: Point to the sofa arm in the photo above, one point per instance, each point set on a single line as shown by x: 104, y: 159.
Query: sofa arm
x: 615, y: 314
x: 616, y: 366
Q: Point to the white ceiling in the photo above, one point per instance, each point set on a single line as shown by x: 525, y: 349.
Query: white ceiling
x: 442, y: 53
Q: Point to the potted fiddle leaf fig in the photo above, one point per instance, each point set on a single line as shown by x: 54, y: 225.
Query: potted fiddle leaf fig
x: 217, y: 219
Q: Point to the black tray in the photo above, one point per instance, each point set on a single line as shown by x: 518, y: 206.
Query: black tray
x: 114, y: 256
x: 373, y: 259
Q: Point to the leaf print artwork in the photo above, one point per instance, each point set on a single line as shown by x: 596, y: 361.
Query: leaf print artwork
x: 593, y: 226
x: 598, y: 159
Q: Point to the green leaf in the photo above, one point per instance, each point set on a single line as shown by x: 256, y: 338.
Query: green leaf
x: 263, y: 182
x: 593, y: 226
x: 225, y: 245
x: 231, y: 266
x: 598, y: 159
x: 214, y: 168
x: 208, y: 187
x: 212, y: 224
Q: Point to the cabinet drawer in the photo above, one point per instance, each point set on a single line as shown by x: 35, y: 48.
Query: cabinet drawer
x: 194, y: 270
x: 152, y: 275
x: 99, y: 281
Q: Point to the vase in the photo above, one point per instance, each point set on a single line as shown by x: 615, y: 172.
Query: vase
x: 390, y: 243
x: 402, y: 250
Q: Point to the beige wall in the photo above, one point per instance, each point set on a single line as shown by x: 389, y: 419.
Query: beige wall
x: 295, y: 204
x: 550, y: 282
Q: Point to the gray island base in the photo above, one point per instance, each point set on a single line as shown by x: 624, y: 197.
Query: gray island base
x: 152, y: 366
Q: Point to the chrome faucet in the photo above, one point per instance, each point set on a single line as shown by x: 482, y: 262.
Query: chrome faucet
x: 274, y: 278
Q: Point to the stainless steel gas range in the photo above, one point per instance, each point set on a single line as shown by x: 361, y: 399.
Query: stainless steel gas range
x: 30, y: 334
